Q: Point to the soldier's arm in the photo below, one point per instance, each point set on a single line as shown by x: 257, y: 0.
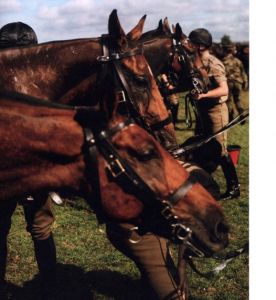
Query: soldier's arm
x: 220, y: 91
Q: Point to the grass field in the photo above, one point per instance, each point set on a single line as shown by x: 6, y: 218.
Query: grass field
x: 90, y: 268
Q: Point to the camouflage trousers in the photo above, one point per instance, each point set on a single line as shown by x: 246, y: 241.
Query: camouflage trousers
x: 234, y: 100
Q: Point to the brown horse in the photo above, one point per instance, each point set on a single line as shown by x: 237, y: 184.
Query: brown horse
x: 44, y: 148
x: 74, y: 78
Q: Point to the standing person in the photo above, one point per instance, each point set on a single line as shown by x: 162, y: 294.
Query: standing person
x: 236, y: 79
x: 212, y: 108
x: 243, y: 56
x: 37, y: 208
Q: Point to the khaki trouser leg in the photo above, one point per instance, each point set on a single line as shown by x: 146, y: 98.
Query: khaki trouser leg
x: 152, y: 258
x: 39, y: 217
x: 219, y: 118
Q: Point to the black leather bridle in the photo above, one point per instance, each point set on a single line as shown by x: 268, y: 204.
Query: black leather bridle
x: 127, y: 99
x: 119, y: 168
x: 123, y: 173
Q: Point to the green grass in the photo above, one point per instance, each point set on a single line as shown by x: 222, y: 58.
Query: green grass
x: 90, y: 268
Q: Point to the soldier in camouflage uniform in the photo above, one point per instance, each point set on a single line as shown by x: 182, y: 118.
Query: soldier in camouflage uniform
x: 236, y: 79
x: 212, y: 107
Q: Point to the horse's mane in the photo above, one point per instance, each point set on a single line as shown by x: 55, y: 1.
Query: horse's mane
x: 95, y: 39
x: 49, y: 44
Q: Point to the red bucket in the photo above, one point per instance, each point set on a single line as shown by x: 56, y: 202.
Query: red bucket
x: 234, y: 152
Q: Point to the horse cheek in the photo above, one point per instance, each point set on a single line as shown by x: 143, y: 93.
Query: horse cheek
x: 119, y: 205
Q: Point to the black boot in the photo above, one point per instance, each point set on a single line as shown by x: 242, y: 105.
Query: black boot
x: 232, y: 182
x: 45, y: 252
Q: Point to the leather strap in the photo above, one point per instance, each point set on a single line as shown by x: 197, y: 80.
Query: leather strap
x: 182, y: 190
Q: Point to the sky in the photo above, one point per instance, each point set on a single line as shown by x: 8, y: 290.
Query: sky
x: 69, y: 19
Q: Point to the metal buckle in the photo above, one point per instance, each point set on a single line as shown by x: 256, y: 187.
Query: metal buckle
x: 116, y: 168
x: 103, y: 58
x: 122, y: 96
x: 166, y: 211
x: 132, y: 230
x: 182, y: 232
x: 181, y: 58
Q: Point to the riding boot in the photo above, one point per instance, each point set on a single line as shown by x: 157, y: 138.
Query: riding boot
x: 45, y: 252
x: 232, y: 182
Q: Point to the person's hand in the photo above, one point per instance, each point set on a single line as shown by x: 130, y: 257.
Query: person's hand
x: 197, y: 96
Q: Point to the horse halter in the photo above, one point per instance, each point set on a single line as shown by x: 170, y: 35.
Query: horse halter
x: 130, y: 106
x: 123, y: 173
x: 198, y: 84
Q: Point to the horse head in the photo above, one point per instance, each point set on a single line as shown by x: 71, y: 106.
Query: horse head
x: 45, y: 148
x: 124, y: 68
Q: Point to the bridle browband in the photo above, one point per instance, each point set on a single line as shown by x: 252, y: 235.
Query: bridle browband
x: 123, y: 173
x: 130, y: 106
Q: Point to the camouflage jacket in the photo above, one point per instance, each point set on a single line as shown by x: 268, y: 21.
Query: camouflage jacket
x: 234, y: 69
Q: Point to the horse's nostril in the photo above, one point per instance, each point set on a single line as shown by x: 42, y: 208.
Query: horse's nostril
x: 221, y: 230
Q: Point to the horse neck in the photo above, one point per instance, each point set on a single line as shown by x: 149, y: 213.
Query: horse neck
x: 157, y: 51
x: 41, y: 149
x: 49, y: 70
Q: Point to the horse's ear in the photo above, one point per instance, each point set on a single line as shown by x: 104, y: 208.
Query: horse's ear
x: 115, y: 30
x: 160, y: 26
x: 136, y: 32
x: 173, y: 28
x: 166, y: 26
x: 178, y: 34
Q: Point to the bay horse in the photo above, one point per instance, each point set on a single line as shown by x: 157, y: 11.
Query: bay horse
x: 45, y: 147
x: 68, y: 71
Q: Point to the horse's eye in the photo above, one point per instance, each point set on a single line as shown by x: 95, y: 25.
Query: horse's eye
x: 144, y: 154
x: 141, y: 79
